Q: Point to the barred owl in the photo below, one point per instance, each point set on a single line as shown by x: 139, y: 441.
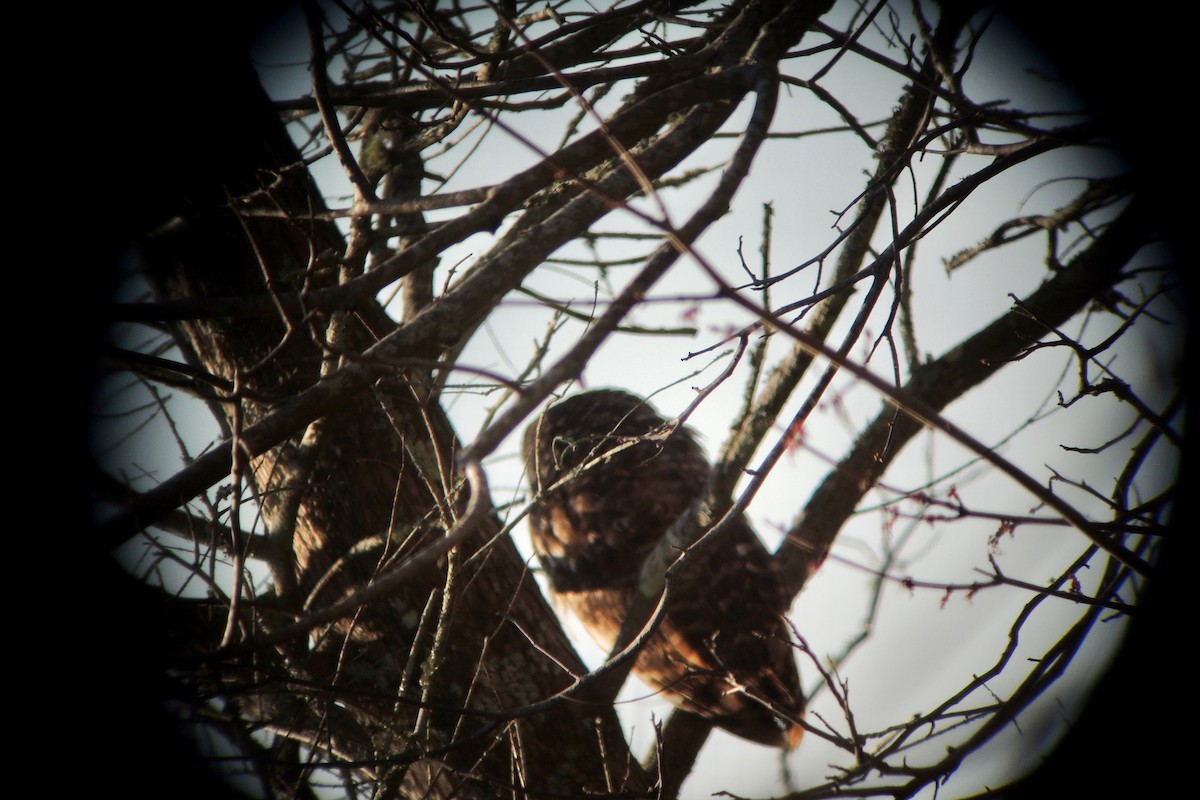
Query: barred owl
x: 721, y: 638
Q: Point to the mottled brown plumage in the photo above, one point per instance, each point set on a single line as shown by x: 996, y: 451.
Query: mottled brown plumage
x: 722, y: 631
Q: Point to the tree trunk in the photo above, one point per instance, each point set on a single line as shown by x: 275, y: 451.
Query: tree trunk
x: 359, y: 489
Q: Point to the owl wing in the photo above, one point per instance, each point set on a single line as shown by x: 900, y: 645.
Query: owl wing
x: 726, y: 652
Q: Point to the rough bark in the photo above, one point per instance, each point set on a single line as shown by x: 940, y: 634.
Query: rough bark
x: 371, y: 481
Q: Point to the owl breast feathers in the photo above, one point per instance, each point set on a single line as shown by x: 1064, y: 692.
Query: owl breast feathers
x: 721, y: 649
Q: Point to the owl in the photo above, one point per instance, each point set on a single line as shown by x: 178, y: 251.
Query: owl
x: 722, y: 640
